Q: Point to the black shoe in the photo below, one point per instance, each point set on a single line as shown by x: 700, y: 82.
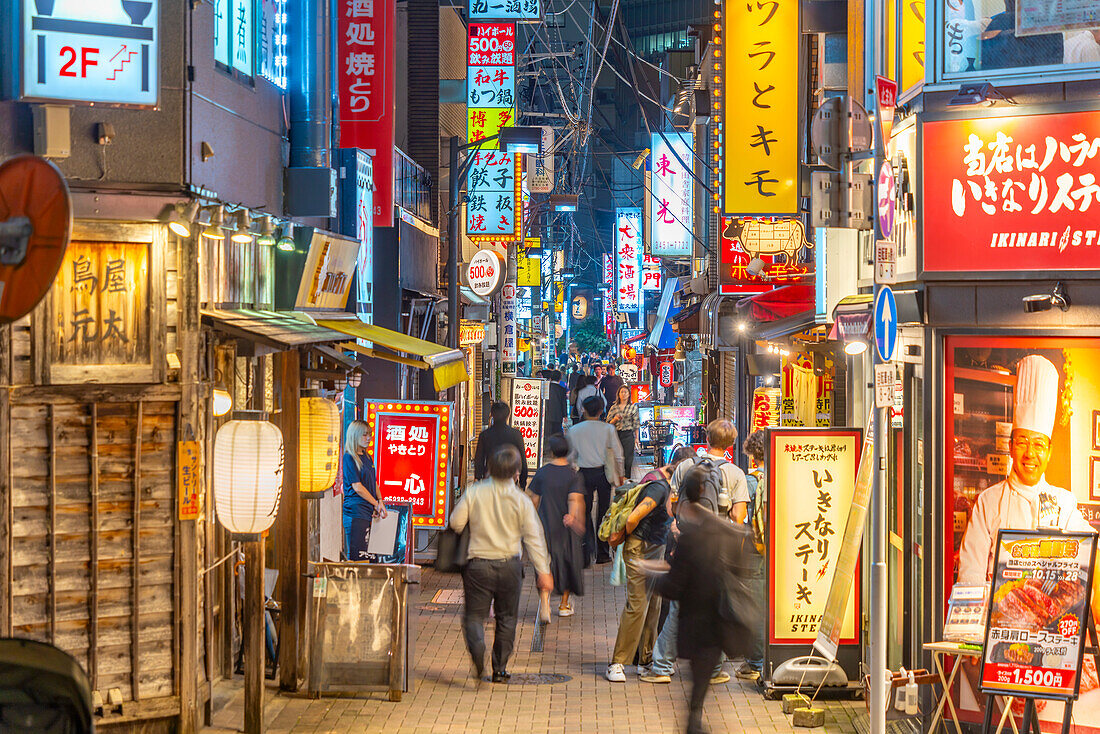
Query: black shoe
x: 501, y: 677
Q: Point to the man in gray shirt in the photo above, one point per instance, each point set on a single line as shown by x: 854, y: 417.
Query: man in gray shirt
x: 500, y: 517
x: 590, y: 442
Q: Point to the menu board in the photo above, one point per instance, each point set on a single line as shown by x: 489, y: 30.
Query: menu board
x: 966, y: 610
x: 527, y: 417
x: 1036, y: 625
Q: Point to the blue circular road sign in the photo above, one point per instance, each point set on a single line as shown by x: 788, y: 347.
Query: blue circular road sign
x: 886, y: 324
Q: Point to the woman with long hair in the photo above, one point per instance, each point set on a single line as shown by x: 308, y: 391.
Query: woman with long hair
x: 623, y: 415
x: 362, y: 501
x: 558, y: 493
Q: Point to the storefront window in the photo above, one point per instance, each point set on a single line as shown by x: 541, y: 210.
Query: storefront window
x: 994, y: 35
x: 1035, y: 401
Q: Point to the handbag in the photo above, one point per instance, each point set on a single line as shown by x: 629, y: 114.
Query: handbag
x: 451, y: 550
x: 618, y: 567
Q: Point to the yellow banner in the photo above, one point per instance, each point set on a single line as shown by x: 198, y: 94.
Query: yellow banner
x: 528, y: 272
x: 485, y: 122
x: 912, y: 44
x: 760, y: 144
x: 812, y: 482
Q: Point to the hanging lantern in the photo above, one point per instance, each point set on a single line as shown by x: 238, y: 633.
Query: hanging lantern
x: 248, y: 476
x: 222, y: 401
x: 318, y: 445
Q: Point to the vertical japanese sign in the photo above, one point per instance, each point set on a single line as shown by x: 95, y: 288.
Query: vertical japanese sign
x: 628, y: 250
x: 608, y: 271
x: 101, y: 305
x: 527, y: 417
x: 508, y: 323
x: 672, y: 187
x: 233, y: 34
x: 760, y: 141
x: 272, y: 50
x: 494, y: 198
x: 364, y: 232
x: 365, y: 75
x: 1012, y: 193
x: 189, y: 469
x: 912, y: 43
x: 515, y: 10
x: 812, y: 474
x: 651, y: 271
x: 409, y: 441
x: 1039, y: 599
x: 91, y: 51
x: 609, y: 318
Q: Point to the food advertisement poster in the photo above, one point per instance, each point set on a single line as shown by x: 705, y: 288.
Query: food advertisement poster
x: 980, y: 382
x: 527, y: 417
x: 409, y: 442
x: 1040, y: 593
x: 812, y: 473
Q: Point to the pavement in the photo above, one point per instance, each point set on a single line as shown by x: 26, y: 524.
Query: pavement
x: 446, y: 698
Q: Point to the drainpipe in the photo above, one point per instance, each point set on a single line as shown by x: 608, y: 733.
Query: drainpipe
x: 308, y: 41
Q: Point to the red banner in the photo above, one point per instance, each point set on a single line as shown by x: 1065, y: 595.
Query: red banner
x: 365, y: 75
x: 409, y: 444
x: 1012, y: 194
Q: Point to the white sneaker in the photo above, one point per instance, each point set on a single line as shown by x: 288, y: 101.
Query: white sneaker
x: 615, y: 673
x: 565, y: 611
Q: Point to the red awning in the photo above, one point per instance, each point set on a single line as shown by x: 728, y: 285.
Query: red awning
x: 779, y: 303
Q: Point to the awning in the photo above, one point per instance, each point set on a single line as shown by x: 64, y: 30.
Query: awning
x: 780, y: 303
x: 662, y: 336
x: 271, y: 329
x: 448, y: 365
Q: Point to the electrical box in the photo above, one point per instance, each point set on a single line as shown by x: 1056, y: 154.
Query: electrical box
x: 52, y: 136
x: 310, y: 192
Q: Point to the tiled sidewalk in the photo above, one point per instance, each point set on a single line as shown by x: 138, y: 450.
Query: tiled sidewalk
x: 447, y: 699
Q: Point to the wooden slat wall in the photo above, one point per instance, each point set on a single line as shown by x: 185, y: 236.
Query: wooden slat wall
x: 106, y: 487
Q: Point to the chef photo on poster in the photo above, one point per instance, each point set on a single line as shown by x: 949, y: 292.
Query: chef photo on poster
x: 1018, y: 430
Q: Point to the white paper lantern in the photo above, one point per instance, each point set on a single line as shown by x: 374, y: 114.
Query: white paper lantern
x: 318, y: 445
x: 248, y: 476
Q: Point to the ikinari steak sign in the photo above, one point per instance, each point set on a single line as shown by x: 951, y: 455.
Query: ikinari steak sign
x: 1012, y: 194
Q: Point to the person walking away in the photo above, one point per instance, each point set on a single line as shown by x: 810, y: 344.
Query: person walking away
x: 727, y: 484
x: 610, y: 385
x: 555, y: 404
x: 707, y: 578
x: 595, y: 448
x: 500, y: 518
x: 643, y: 539
x: 587, y: 390
x: 720, y: 477
x: 498, y: 434
x: 362, y: 501
x: 558, y: 493
x: 756, y: 447
x: 623, y: 416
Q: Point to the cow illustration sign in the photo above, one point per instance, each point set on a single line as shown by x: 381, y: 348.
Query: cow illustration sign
x: 409, y: 442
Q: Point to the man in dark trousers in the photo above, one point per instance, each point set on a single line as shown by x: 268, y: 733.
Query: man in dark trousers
x: 498, y: 434
x: 610, y: 385
x: 555, y: 404
x: 713, y: 558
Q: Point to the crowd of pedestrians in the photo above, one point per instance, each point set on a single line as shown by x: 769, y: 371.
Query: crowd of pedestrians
x: 681, y: 530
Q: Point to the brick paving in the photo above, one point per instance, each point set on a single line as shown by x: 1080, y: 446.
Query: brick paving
x: 446, y: 698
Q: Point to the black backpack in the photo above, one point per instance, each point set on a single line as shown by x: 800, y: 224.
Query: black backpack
x: 712, y: 484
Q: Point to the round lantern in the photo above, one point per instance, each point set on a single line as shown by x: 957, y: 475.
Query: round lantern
x: 248, y: 476
x: 318, y: 445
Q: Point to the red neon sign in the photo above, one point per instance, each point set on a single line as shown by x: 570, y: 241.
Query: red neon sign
x: 409, y: 444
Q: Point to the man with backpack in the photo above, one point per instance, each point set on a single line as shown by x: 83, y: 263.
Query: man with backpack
x: 725, y: 493
x: 643, y: 538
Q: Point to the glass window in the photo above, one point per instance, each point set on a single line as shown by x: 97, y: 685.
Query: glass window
x: 992, y: 35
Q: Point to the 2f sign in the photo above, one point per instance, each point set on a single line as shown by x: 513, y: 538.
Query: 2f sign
x: 91, y: 51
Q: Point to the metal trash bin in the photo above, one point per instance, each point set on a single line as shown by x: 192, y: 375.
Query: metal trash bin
x: 361, y: 637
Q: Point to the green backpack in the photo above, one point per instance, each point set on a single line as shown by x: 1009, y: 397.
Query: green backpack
x: 615, y: 519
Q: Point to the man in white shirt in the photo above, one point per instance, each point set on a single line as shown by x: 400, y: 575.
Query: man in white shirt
x: 591, y: 443
x: 500, y: 517
x: 1023, y: 501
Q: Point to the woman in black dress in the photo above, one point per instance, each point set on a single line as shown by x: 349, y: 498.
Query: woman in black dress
x: 558, y: 493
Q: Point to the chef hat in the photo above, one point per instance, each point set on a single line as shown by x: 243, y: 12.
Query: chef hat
x: 1036, y: 395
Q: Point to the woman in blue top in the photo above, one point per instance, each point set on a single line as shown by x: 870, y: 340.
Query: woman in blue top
x: 361, y: 498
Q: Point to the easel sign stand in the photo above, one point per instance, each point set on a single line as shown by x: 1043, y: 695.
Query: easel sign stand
x: 1035, y: 650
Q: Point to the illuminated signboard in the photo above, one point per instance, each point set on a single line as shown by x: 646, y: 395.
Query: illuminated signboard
x: 233, y: 34
x: 776, y: 243
x: 273, y: 41
x: 409, y: 441
x: 812, y: 473
x: 651, y: 273
x: 628, y: 249
x: 608, y: 272
x: 493, y: 185
x: 1012, y: 194
x: 91, y: 51
x: 517, y: 10
x: 365, y: 77
x: 672, y: 202
x: 508, y: 321
x: 760, y: 120
x: 364, y: 232
x: 527, y: 417
x: 912, y: 43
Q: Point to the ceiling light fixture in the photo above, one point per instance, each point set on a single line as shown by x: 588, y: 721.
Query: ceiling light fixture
x: 217, y: 221
x: 242, y: 234
x: 1045, y: 301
